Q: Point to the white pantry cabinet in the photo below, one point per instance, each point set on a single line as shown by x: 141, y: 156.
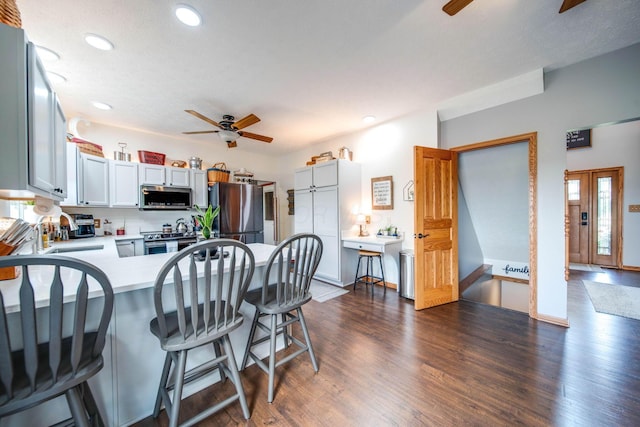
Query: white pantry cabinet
x: 32, y: 123
x: 124, y: 191
x: 325, y: 195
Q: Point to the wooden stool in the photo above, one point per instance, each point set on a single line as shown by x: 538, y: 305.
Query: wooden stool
x: 368, y: 277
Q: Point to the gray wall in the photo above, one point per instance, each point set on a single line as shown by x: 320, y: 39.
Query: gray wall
x: 600, y: 90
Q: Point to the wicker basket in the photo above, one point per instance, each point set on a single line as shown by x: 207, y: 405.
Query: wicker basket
x: 9, y: 13
x: 218, y: 173
x: 151, y: 157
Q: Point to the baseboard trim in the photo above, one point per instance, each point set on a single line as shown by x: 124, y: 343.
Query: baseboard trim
x: 552, y: 319
x: 630, y: 268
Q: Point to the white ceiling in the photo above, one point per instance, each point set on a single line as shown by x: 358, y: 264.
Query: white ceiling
x: 309, y: 69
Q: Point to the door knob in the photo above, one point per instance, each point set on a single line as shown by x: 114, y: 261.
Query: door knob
x: 420, y: 236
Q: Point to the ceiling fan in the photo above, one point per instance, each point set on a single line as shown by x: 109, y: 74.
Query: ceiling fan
x: 230, y: 128
x: 455, y: 6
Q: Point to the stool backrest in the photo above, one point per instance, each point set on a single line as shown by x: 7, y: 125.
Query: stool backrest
x: 207, y: 283
x: 292, y: 265
x: 67, y: 318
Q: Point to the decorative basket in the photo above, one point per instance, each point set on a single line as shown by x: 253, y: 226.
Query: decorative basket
x: 87, y: 147
x: 218, y: 173
x: 150, y: 157
x: 9, y: 13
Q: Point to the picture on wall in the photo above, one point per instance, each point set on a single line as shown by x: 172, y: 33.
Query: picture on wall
x: 382, y: 193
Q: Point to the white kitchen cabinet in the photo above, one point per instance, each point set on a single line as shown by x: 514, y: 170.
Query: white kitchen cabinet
x: 163, y: 175
x: 199, y: 187
x: 60, y: 151
x: 93, y: 181
x: 30, y: 122
x: 178, y: 177
x: 324, y: 198
x: 124, y: 191
x: 152, y: 174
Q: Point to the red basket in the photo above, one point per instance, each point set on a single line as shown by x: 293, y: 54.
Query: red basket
x: 151, y: 157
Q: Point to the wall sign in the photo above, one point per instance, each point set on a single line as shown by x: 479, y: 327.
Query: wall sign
x: 382, y: 193
x: 578, y: 138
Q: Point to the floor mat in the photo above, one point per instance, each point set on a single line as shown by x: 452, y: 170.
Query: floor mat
x: 614, y: 299
x: 322, y: 292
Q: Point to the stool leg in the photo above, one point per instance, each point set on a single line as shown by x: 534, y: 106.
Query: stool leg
x: 355, y: 281
x: 384, y: 282
x: 370, y: 273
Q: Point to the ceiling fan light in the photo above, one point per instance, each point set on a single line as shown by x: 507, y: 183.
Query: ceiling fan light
x: 188, y: 15
x: 228, y: 135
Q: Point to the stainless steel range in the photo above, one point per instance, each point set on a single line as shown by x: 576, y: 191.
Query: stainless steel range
x: 157, y: 242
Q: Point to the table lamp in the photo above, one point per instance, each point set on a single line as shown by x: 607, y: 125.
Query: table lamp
x: 361, y: 220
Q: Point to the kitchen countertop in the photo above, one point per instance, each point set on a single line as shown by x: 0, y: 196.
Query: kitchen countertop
x: 125, y: 274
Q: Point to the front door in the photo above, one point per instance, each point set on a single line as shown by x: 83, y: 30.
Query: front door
x: 579, y: 216
x: 436, y: 227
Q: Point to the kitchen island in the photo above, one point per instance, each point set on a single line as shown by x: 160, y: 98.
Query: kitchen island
x: 126, y: 387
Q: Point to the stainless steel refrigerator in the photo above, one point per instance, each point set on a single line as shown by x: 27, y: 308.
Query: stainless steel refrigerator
x: 241, y: 211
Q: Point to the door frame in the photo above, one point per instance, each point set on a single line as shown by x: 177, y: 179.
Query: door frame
x: 532, y: 140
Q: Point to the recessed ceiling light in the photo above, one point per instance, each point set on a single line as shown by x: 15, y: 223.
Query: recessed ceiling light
x: 98, y: 42
x: 47, y: 54
x: 188, y: 15
x: 369, y: 119
x: 55, y: 77
x: 101, y: 105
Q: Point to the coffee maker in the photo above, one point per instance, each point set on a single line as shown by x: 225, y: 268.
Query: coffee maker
x: 86, y: 228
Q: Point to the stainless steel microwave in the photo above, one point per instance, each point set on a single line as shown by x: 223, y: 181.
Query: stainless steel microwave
x: 156, y: 197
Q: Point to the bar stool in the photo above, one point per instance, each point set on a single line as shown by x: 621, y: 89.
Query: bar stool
x: 368, y: 278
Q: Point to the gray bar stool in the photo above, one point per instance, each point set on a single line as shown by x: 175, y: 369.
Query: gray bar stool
x: 35, y: 370
x: 369, y: 278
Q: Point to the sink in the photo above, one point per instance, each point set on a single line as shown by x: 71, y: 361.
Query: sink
x: 76, y: 249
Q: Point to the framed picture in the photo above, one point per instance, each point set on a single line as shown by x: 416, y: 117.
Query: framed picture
x: 382, y: 193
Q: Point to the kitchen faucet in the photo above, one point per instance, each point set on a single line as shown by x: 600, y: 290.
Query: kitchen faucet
x: 37, y: 228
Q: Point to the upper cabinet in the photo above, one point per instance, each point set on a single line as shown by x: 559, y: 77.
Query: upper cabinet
x: 124, y: 191
x: 163, y: 175
x: 93, y: 181
x: 320, y: 175
x: 32, y: 123
x: 199, y: 187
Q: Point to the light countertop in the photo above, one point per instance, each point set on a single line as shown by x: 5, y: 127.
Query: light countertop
x: 125, y: 274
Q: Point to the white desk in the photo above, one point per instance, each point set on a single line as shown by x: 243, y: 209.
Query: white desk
x: 389, y: 247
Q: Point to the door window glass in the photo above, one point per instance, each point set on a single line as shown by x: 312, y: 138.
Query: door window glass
x: 573, y: 189
x: 604, y: 216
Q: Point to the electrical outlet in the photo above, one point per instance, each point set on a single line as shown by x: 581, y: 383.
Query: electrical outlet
x: 634, y: 208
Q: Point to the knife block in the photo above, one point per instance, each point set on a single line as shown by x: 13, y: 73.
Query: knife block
x: 8, y: 273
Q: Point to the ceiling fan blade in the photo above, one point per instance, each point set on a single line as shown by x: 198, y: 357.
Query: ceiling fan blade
x: 201, y: 117
x: 256, y: 136
x: 251, y: 119
x: 455, y: 6
x: 568, y: 4
x: 197, y: 132
x: 232, y: 144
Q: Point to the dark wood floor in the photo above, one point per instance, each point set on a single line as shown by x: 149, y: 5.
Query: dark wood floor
x: 384, y: 364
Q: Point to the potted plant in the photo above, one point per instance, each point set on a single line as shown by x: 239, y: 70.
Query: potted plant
x: 205, y: 219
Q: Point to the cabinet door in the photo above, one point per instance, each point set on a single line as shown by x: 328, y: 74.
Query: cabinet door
x: 178, y: 177
x: 60, y: 141
x: 303, y: 219
x: 123, y: 184
x: 199, y: 187
x: 40, y: 121
x: 93, y: 180
x: 303, y: 178
x: 326, y: 226
x: 325, y: 174
x: 152, y: 174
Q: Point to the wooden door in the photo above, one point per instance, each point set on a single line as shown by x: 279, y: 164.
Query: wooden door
x: 436, y: 227
x: 579, y: 216
x: 606, y: 188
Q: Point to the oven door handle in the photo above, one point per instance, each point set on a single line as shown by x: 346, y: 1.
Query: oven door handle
x: 155, y: 244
